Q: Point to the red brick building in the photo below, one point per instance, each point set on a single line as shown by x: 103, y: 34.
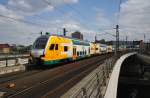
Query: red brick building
x: 4, y: 48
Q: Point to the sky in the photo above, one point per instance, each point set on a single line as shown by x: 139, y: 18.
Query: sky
x: 21, y: 21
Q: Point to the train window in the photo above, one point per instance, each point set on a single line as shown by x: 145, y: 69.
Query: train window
x: 80, y: 52
x: 85, y: 52
x: 52, y: 47
x: 56, y: 47
x: 77, y: 53
x: 40, y: 43
x: 65, y: 48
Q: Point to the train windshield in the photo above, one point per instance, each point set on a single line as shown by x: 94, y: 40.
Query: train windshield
x: 40, y: 43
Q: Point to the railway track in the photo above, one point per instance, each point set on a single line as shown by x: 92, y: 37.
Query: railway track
x: 54, y: 82
x: 17, y: 75
x: 58, y: 91
x: 30, y: 71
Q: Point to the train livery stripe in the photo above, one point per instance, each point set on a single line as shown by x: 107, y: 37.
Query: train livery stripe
x: 78, y: 42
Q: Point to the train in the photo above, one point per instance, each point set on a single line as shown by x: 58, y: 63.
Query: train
x: 53, y: 49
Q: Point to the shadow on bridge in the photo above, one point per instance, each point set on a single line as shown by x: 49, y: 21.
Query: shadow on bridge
x: 134, y: 78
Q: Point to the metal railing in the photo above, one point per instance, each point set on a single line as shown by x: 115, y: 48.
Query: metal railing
x: 96, y: 86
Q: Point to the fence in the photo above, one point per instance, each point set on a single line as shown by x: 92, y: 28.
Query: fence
x: 96, y: 86
x: 12, y: 60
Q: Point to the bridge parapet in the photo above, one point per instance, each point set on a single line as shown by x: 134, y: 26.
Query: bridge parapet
x: 13, y: 63
x: 13, y: 60
x: 111, y: 91
x: 97, y: 84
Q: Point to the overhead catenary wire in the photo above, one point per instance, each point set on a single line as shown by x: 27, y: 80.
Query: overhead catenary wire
x: 63, y: 12
x: 34, y: 15
x: 105, y: 33
x: 21, y: 20
x: 76, y: 11
x: 50, y: 4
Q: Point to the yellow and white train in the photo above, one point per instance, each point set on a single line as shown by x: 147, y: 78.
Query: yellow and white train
x: 52, y: 49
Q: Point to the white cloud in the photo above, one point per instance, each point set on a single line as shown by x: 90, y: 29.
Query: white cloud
x: 20, y: 3
x: 23, y: 33
x: 134, y: 18
x: 72, y: 25
x: 71, y: 1
x: 9, y: 13
x: 12, y: 31
x: 102, y: 22
x: 30, y: 7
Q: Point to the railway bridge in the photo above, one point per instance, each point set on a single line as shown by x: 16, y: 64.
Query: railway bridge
x: 128, y: 78
x: 104, y: 76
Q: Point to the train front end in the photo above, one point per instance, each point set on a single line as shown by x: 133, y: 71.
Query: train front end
x: 38, y: 50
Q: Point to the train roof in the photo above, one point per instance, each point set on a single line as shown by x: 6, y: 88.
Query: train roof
x: 74, y: 40
x: 62, y: 36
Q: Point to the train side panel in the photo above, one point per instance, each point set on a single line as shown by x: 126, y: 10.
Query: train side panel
x: 57, y: 49
x: 92, y: 48
x: 109, y: 49
x: 97, y: 49
x: 81, y: 49
x: 103, y: 48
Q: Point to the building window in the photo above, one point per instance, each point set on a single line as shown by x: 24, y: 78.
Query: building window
x: 65, y: 48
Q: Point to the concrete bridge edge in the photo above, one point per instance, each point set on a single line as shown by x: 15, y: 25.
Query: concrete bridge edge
x: 111, y: 91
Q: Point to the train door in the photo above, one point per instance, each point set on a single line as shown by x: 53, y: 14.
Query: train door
x: 54, y: 51
x: 74, y: 53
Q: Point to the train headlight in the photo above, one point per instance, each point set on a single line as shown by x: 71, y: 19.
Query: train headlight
x: 43, y: 55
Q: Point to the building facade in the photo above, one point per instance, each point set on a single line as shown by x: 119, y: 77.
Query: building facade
x: 4, y: 48
x: 77, y: 35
